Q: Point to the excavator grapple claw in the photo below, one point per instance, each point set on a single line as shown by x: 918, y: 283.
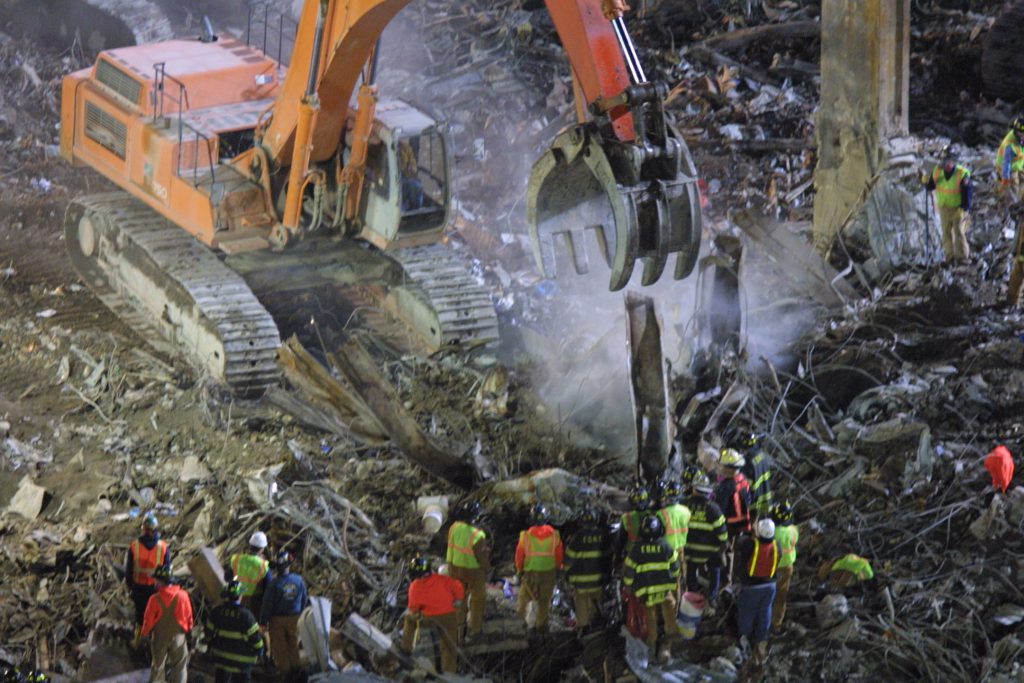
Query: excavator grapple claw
x: 637, y: 204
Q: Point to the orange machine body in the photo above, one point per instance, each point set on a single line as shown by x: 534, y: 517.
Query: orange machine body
x: 120, y: 117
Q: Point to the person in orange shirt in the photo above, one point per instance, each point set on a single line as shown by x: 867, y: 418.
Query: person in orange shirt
x: 539, y: 556
x: 434, y: 599
x: 168, y: 619
x: 145, y: 554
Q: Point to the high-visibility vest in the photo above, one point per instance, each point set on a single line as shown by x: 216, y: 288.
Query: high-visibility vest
x: 145, y: 560
x: 462, y: 537
x: 764, y: 560
x: 540, y: 552
x: 676, y: 519
x: 1010, y: 142
x: 947, y: 190
x: 631, y: 525
x: 856, y: 565
x: 249, y: 571
x: 787, y: 536
x: 739, y: 513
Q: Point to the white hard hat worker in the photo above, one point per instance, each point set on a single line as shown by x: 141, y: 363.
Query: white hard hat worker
x: 765, y: 529
x: 258, y: 540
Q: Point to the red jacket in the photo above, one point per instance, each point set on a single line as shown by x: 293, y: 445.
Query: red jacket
x: 999, y: 463
x: 162, y: 600
x: 540, y: 533
x: 435, y: 595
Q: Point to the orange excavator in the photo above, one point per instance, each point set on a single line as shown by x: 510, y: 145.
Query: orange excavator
x: 243, y: 181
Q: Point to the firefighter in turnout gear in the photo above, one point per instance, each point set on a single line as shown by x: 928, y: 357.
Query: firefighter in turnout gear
x: 588, y: 566
x: 787, y: 535
x: 759, y: 474
x: 675, y: 518
x: 145, y: 554
x: 233, y: 637
x: 539, y: 556
x: 706, y: 540
x: 168, y: 620
x: 651, y: 573
x: 951, y: 183
x: 469, y: 561
x: 756, y: 566
x: 252, y: 570
x: 639, y: 503
x: 434, y: 600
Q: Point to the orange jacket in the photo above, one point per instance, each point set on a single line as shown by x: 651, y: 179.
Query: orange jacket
x: 435, y: 595
x: 540, y: 533
x: 999, y: 463
x: 161, y: 601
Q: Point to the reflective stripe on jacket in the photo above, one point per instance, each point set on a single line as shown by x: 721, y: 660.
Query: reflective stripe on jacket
x: 764, y: 560
x: 676, y: 519
x: 761, y: 488
x: 540, y: 553
x: 249, y: 570
x: 652, y: 570
x: 462, y: 538
x: 948, y: 190
x: 588, y: 559
x: 145, y: 560
x: 233, y: 637
x: 787, y: 536
x: 707, y: 535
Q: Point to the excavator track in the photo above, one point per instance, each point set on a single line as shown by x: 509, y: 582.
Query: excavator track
x: 463, y: 307
x: 172, y: 290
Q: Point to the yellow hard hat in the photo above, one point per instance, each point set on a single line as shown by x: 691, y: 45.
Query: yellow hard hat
x: 732, y: 458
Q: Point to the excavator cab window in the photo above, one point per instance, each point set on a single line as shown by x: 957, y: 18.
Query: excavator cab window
x: 423, y: 170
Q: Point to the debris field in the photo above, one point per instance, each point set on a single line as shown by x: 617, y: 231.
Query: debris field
x: 879, y: 385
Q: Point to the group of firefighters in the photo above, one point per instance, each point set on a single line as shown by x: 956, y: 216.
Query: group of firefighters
x: 954, y: 191
x: 236, y: 639
x: 672, y: 545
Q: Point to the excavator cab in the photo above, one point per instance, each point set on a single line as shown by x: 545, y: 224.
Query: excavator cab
x: 407, y: 190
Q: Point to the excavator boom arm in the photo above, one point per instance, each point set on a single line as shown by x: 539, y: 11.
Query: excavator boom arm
x: 351, y: 30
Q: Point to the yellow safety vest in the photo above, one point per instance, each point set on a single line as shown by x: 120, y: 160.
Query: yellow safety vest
x: 1010, y: 142
x: 856, y: 565
x: 462, y: 537
x: 787, y: 536
x: 540, y: 552
x: 676, y: 519
x: 249, y: 571
x: 947, y: 190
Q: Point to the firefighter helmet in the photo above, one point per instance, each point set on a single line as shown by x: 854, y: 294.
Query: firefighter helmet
x: 732, y: 458
x: 419, y: 567
x: 651, y: 527
x: 639, y: 498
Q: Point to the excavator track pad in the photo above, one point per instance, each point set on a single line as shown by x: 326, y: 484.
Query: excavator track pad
x: 639, y: 205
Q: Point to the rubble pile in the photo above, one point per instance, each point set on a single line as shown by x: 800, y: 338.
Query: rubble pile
x: 877, y: 420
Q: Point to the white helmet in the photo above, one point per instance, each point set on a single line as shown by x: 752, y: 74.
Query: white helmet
x: 258, y: 540
x: 765, y: 529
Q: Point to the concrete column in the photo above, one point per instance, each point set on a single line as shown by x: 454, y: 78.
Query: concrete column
x: 865, y: 55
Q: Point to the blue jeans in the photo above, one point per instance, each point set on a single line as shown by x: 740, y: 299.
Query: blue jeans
x: 755, y: 611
